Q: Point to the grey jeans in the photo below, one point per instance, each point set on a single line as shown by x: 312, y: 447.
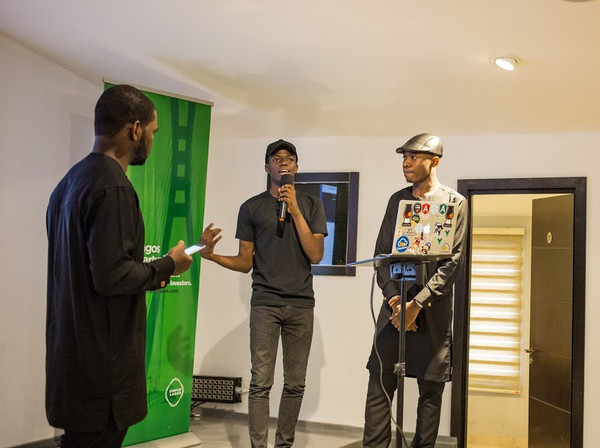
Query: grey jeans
x: 267, y: 324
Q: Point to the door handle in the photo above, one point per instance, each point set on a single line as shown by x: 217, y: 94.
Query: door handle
x: 530, y: 352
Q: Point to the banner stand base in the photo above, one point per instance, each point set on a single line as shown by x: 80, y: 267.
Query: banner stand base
x: 185, y: 440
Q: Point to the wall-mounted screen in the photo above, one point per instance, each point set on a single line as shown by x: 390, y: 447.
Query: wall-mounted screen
x: 339, y: 194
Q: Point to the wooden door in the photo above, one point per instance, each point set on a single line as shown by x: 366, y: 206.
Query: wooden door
x: 550, y: 351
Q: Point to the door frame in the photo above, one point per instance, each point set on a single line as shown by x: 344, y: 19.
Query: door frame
x: 468, y: 188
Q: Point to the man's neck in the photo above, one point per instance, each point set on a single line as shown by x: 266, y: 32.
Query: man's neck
x: 427, y: 188
x: 273, y: 189
x: 104, y: 146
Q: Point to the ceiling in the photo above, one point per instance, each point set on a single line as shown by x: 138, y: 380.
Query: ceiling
x: 337, y: 67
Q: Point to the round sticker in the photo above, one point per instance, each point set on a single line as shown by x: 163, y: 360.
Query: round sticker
x: 401, y: 244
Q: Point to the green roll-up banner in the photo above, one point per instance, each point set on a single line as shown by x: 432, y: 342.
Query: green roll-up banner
x: 171, y: 188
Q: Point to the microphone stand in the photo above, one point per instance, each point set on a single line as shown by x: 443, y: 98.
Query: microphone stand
x: 401, y: 271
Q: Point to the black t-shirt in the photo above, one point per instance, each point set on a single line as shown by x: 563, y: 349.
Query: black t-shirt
x: 281, y: 272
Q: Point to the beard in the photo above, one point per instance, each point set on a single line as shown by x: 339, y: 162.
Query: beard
x: 141, y: 153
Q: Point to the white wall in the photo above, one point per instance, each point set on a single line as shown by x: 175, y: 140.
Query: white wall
x: 45, y: 125
x: 337, y: 377
x: 46, y: 122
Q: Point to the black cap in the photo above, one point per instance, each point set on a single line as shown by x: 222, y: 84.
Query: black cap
x: 426, y: 143
x: 276, y: 146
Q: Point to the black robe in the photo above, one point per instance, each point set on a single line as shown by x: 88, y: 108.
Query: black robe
x: 96, y: 308
x: 429, y: 349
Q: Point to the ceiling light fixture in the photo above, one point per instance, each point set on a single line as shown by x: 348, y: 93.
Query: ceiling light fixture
x: 507, y: 62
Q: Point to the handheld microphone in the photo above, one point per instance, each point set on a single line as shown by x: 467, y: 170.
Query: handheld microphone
x: 286, y: 179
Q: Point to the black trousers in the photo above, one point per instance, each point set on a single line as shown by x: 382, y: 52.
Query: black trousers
x: 377, y: 431
x: 112, y: 437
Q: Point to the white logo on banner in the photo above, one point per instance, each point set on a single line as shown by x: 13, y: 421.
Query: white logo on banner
x: 174, y: 392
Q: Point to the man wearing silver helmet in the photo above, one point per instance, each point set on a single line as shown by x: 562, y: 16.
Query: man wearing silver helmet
x: 428, y: 317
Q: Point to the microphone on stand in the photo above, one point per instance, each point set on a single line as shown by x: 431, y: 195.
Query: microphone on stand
x: 286, y: 179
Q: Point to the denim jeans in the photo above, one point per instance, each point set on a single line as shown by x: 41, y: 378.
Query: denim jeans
x: 267, y: 324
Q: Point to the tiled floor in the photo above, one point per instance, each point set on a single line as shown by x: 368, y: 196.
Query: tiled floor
x: 226, y: 429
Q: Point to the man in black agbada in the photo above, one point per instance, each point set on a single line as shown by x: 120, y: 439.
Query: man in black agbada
x: 428, y: 316
x: 96, y: 309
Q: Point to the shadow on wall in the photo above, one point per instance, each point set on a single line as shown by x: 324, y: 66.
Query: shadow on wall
x: 82, y: 138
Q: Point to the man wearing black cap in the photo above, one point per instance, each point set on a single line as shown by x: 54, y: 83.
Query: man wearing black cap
x: 279, y: 246
x: 428, y: 317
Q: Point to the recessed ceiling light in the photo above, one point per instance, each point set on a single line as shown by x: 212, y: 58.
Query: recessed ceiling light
x: 507, y: 62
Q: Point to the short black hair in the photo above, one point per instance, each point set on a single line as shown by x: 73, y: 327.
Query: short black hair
x: 120, y: 105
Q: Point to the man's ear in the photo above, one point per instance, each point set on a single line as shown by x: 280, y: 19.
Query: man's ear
x: 136, y: 130
x: 267, y: 169
x: 435, y: 161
